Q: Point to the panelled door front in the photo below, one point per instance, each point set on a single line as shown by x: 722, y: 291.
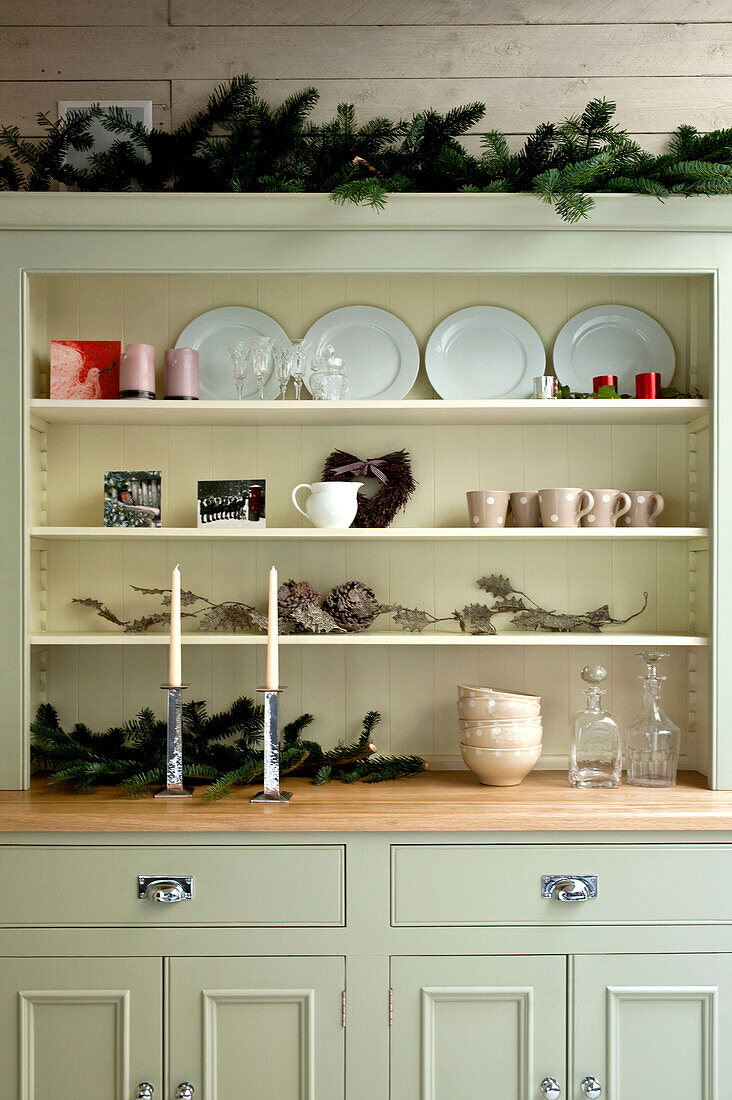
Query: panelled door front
x: 76, y: 1028
x: 477, y: 1027
x: 652, y: 1027
x: 257, y: 1028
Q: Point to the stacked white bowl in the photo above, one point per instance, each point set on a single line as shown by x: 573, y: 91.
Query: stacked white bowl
x: 500, y: 734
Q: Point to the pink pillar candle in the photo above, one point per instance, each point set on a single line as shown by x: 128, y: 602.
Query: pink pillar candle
x: 137, y: 372
x: 181, y: 374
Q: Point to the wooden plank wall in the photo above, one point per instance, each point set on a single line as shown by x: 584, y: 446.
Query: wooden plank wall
x: 528, y: 60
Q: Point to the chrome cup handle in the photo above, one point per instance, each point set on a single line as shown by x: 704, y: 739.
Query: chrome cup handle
x: 569, y: 887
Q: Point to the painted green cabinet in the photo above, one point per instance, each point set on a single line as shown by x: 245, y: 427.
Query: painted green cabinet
x: 649, y: 1027
x: 73, y: 1028
x: 261, y: 1028
x: 477, y: 1028
x: 641, y: 1027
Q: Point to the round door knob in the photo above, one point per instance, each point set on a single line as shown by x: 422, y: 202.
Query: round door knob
x: 184, y: 1091
x: 550, y: 1088
x: 591, y: 1087
x: 144, y: 1091
x: 166, y: 891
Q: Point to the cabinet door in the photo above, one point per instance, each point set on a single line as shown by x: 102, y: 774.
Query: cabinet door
x: 478, y: 1028
x: 648, y: 1026
x: 73, y: 1028
x: 260, y: 1028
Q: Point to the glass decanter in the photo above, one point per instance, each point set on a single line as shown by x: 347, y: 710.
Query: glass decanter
x: 652, y: 740
x: 596, y: 755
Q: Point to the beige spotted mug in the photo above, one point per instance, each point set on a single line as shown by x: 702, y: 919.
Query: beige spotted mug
x: 487, y: 508
x: 609, y: 506
x: 564, y: 507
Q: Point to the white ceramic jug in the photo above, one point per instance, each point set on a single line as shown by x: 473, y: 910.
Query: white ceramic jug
x: 330, y: 503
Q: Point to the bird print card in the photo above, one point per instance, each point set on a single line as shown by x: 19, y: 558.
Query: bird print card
x: 84, y: 370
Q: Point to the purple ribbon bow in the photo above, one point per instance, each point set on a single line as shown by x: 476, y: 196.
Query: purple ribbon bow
x: 368, y: 468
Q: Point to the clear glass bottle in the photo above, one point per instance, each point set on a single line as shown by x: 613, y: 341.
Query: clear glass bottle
x: 596, y: 754
x: 328, y: 379
x: 652, y: 740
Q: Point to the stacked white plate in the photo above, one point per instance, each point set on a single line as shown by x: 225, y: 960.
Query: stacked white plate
x: 500, y: 733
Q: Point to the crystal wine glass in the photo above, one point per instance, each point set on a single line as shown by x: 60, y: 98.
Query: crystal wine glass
x: 282, y: 364
x: 299, y: 362
x: 239, y: 353
x: 261, y: 358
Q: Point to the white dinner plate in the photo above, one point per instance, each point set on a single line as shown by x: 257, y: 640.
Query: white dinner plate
x: 612, y: 340
x: 380, y: 353
x: 211, y: 333
x: 484, y: 352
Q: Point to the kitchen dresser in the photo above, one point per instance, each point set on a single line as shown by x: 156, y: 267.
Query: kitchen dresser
x: 391, y: 941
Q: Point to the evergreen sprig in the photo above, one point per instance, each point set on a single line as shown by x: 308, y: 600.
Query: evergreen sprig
x: 239, y: 142
x: 222, y: 751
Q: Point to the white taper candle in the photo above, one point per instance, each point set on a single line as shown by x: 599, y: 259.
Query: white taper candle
x: 174, y: 663
x: 272, y: 681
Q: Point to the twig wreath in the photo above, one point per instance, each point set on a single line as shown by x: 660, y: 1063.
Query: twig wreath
x: 396, y: 484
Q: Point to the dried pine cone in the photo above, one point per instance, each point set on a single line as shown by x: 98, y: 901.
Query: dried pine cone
x: 293, y: 594
x: 353, y: 605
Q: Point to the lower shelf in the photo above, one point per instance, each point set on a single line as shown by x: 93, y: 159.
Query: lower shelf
x: 507, y: 638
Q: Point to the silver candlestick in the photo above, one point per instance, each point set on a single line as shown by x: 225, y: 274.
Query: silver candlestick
x: 174, y: 762
x: 271, y: 792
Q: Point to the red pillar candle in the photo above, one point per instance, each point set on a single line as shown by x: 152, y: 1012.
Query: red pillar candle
x: 648, y: 385
x: 605, y: 380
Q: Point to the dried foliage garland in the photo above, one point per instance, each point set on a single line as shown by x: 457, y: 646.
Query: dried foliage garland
x: 393, y: 472
x: 221, y: 751
x: 352, y: 607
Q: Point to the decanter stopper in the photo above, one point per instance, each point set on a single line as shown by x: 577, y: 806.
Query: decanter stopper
x: 593, y: 674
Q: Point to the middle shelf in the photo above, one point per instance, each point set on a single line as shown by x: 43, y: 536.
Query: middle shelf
x: 387, y: 534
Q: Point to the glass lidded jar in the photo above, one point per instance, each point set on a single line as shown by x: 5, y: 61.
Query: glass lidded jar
x: 596, y: 754
x: 652, y: 740
x: 328, y: 378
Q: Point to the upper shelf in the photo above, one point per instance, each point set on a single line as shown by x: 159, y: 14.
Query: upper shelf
x: 323, y: 413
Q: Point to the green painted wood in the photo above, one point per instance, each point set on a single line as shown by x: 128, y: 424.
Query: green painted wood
x: 260, y: 1028
x: 478, y: 1028
x: 80, y: 1028
x: 491, y: 884
x: 271, y: 885
x: 653, y: 1026
x: 14, y: 763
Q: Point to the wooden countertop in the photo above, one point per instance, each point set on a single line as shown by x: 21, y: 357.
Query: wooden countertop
x: 433, y: 802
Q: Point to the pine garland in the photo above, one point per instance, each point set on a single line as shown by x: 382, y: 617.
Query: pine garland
x: 221, y: 750
x: 239, y: 142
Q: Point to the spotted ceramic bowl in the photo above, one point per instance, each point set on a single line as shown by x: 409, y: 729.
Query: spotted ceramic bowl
x: 502, y: 735
x: 490, y: 707
x: 500, y: 767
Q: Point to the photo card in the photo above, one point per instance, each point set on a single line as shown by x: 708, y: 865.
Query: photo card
x: 132, y: 498
x: 237, y: 503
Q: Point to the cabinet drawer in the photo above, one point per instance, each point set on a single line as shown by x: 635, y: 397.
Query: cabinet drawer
x: 475, y: 884
x: 271, y: 885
